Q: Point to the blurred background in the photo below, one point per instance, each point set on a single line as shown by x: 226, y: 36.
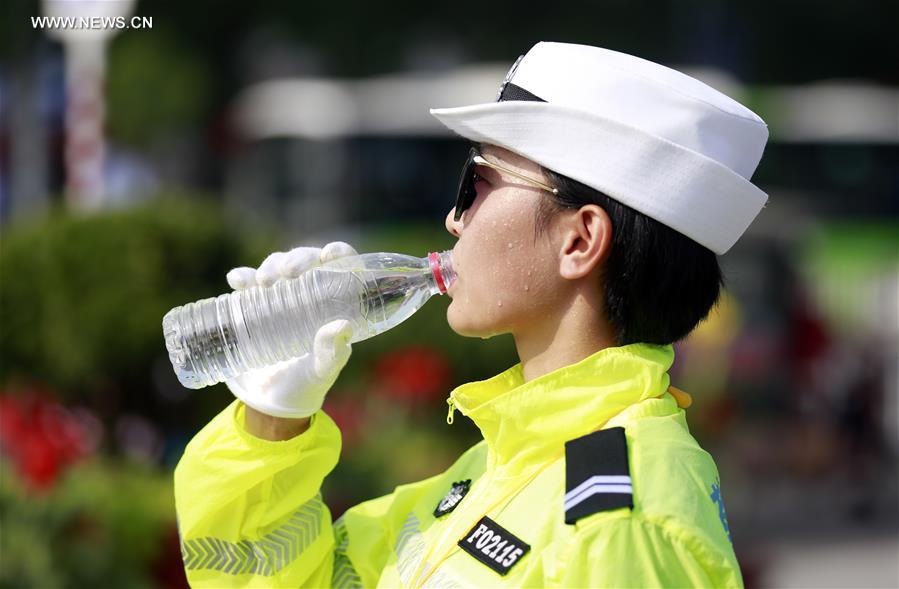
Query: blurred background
x: 139, y: 163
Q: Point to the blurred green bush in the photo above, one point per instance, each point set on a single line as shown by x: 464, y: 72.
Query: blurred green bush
x: 156, y: 88
x: 82, y: 299
x: 82, y: 296
x: 104, y: 525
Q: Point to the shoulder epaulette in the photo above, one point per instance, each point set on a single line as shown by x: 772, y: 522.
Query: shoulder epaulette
x: 597, y: 476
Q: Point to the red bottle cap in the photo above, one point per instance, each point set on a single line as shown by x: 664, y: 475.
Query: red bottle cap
x: 435, y: 268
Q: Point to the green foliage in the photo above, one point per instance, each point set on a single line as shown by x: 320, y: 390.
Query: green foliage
x: 104, y: 525
x: 82, y: 296
x: 154, y: 87
x: 849, y: 266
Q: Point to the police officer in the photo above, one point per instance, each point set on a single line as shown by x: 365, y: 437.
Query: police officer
x: 599, y: 190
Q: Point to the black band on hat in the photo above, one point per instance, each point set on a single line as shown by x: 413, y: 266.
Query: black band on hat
x: 512, y: 92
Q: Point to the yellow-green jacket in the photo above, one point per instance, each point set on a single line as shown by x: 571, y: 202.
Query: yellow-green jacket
x: 251, y: 515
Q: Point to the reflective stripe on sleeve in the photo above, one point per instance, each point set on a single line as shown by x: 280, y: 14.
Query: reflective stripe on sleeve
x: 265, y: 556
x: 343, y: 576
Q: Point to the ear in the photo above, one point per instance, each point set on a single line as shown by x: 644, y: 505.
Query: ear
x: 586, y: 241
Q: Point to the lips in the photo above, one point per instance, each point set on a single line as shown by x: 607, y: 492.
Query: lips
x: 453, y: 286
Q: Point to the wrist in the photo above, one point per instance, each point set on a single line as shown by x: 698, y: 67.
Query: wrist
x: 274, y: 429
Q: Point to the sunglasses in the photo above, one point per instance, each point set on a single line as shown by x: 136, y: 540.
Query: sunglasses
x: 466, y: 195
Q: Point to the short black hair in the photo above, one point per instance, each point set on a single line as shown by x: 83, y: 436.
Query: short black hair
x: 659, y: 283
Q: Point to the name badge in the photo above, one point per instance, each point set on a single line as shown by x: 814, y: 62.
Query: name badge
x: 494, y: 545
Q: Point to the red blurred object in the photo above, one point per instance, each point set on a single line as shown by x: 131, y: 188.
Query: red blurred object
x: 168, y: 567
x: 347, y: 414
x: 415, y: 375
x: 40, y: 436
x: 809, y: 339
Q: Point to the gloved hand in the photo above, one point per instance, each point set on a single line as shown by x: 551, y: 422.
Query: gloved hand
x: 297, y: 387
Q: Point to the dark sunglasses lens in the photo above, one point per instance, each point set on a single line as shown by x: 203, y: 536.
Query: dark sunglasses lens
x: 466, y: 193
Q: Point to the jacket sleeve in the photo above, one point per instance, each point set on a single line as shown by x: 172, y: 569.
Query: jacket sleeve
x: 250, y: 513
x: 249, y: 510
x: 630, y: 551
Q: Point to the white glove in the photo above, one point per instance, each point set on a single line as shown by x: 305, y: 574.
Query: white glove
x: 297, y: 387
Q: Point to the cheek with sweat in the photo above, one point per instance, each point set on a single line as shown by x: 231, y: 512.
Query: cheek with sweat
x: 500, y: 276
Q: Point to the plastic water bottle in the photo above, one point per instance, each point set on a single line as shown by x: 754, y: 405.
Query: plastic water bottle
x: 215, y: 339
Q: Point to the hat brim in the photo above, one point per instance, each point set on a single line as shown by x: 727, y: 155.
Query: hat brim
x: 687, y: 191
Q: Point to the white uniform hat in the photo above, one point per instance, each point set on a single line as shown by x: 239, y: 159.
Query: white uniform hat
x: 648, y: 136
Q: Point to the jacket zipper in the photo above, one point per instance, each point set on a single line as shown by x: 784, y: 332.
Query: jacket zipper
x: 452, y: 409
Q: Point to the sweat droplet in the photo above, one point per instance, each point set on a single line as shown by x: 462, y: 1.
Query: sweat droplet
x: 526, y: 287
x: 499, y: 303
x: 510, y: 245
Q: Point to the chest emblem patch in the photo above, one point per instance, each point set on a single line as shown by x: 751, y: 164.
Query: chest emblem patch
x: 453, y: 498
x: 494, y: 545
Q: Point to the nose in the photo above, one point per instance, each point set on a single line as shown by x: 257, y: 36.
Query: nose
x: 454, y: 227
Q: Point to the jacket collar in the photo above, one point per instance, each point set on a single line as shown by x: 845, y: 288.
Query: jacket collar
x: 527, y: 424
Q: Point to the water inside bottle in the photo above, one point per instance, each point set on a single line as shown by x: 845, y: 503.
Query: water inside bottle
x: 216, y: 339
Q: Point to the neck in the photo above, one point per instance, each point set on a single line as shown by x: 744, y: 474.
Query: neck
x: 563, y: 339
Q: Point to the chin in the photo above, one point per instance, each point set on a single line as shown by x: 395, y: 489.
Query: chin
x: 468, y: 326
